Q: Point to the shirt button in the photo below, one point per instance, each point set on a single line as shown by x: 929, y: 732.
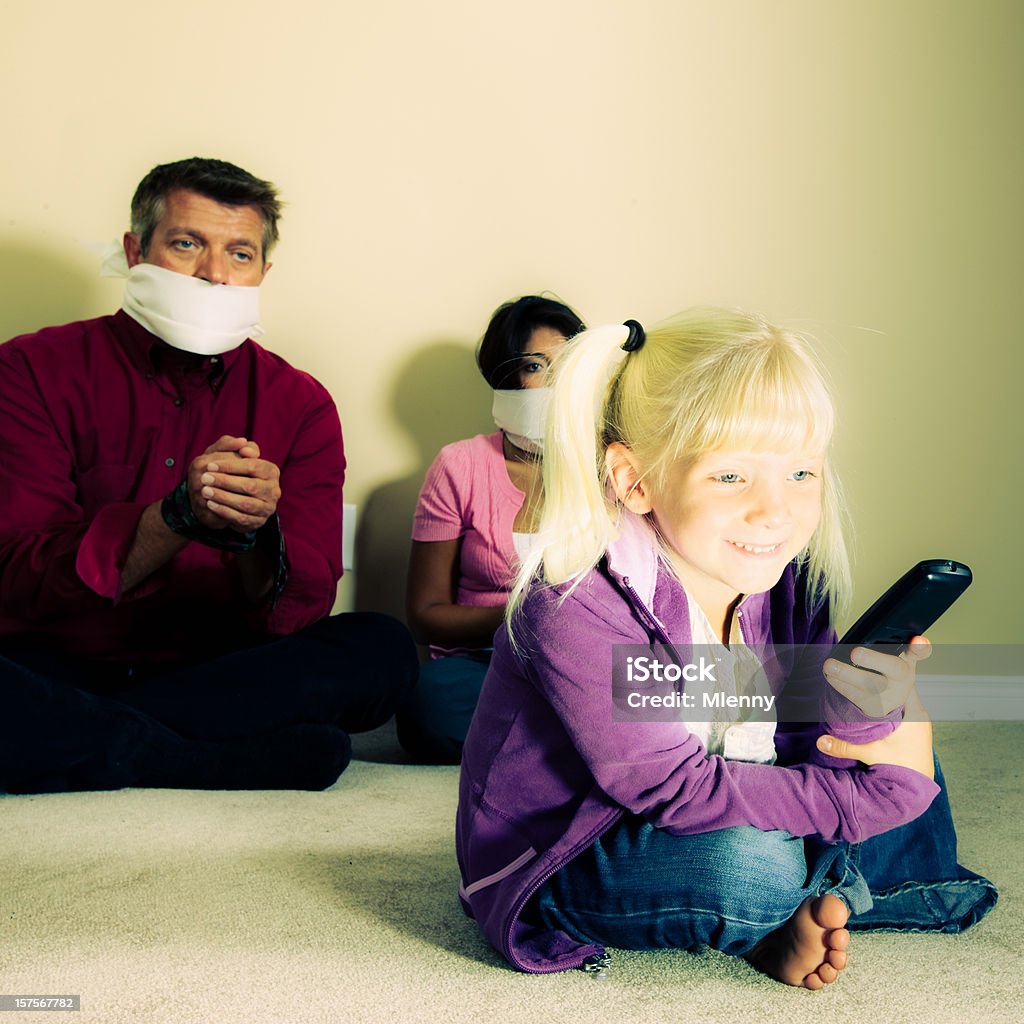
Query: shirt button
x: 179, y: 402
x: 168, y: 462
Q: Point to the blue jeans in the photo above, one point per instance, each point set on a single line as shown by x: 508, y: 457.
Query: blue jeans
x: 915, y: 881
x: 432, y: 724
x: 639, y: 887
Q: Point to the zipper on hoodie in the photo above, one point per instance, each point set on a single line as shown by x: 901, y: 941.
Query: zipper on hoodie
x: 600, y: 962
x: 638, y: 603
x: 600, y: 953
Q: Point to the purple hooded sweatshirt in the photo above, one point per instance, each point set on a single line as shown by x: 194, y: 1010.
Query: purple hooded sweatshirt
x: 546, y: 768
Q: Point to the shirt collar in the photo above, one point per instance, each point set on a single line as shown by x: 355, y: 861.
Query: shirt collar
x: 633, y: 556
x: 635, y: 560
x: 144, y: 349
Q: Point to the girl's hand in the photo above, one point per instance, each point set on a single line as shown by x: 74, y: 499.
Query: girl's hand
x: 908, y: 746
x: 877, y: 683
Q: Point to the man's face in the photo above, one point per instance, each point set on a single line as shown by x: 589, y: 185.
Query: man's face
x: 200, y: 237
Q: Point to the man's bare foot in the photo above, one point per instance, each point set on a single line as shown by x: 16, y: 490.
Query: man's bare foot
x: 810, y: 948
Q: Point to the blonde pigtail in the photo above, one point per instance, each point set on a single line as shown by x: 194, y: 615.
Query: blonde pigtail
x: 577, y: 523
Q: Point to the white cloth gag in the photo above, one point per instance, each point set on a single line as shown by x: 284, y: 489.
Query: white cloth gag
x: 187, y: 312
x: 523, y: 416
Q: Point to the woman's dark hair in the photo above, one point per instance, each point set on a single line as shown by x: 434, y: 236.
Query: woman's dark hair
x: 499, y: 354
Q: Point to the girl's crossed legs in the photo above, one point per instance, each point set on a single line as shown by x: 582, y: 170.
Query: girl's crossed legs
x: 779, y: 900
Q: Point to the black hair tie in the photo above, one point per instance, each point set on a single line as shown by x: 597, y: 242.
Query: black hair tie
x: 636, y: 337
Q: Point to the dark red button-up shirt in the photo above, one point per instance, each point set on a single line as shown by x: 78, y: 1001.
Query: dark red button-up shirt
x: 99, y: 419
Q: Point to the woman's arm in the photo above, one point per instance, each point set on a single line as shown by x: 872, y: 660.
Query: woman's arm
x: 431, y: 587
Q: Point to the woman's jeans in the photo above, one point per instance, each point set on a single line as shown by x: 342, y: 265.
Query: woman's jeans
x: 432, y: 724
x: 639, y: 887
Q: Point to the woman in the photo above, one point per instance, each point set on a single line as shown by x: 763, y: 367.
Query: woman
x: 477, y: 512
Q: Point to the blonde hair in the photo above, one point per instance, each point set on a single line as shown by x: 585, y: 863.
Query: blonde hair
x: 704, y: 380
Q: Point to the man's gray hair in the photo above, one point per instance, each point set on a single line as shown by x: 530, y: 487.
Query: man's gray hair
x: 216, y: 179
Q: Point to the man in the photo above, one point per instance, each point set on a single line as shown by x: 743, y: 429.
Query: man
x: 170, y: 528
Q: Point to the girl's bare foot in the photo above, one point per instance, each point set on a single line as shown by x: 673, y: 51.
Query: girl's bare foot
x: 810, y: 948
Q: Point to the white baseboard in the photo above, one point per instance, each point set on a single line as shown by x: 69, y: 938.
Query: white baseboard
x: 963, y: 698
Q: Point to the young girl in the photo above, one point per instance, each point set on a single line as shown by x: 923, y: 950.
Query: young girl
x: 689, y: 501
x: 476, y: 514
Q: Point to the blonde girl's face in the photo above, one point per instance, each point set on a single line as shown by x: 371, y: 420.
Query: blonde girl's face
x: 734, y: 519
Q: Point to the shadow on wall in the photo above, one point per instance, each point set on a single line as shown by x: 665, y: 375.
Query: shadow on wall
x: 438, y: 397
x: 39, y: 289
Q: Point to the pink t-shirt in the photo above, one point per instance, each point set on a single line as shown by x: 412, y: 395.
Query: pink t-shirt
x: 467, y: 493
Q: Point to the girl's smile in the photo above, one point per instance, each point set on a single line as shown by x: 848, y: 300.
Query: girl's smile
x: 733, y: 519
x: 753, y: 549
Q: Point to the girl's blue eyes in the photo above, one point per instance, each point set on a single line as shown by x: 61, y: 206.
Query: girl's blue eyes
x: 734, y: 478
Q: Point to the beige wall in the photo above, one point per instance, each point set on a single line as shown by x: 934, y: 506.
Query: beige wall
x: 850, y: 168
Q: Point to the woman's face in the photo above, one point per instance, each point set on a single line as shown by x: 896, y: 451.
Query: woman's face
x: 540, y: 352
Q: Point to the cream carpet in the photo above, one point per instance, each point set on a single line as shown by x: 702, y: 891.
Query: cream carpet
x: 170, y: 906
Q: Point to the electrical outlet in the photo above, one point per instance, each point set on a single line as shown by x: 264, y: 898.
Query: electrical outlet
x: 348, y: 536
